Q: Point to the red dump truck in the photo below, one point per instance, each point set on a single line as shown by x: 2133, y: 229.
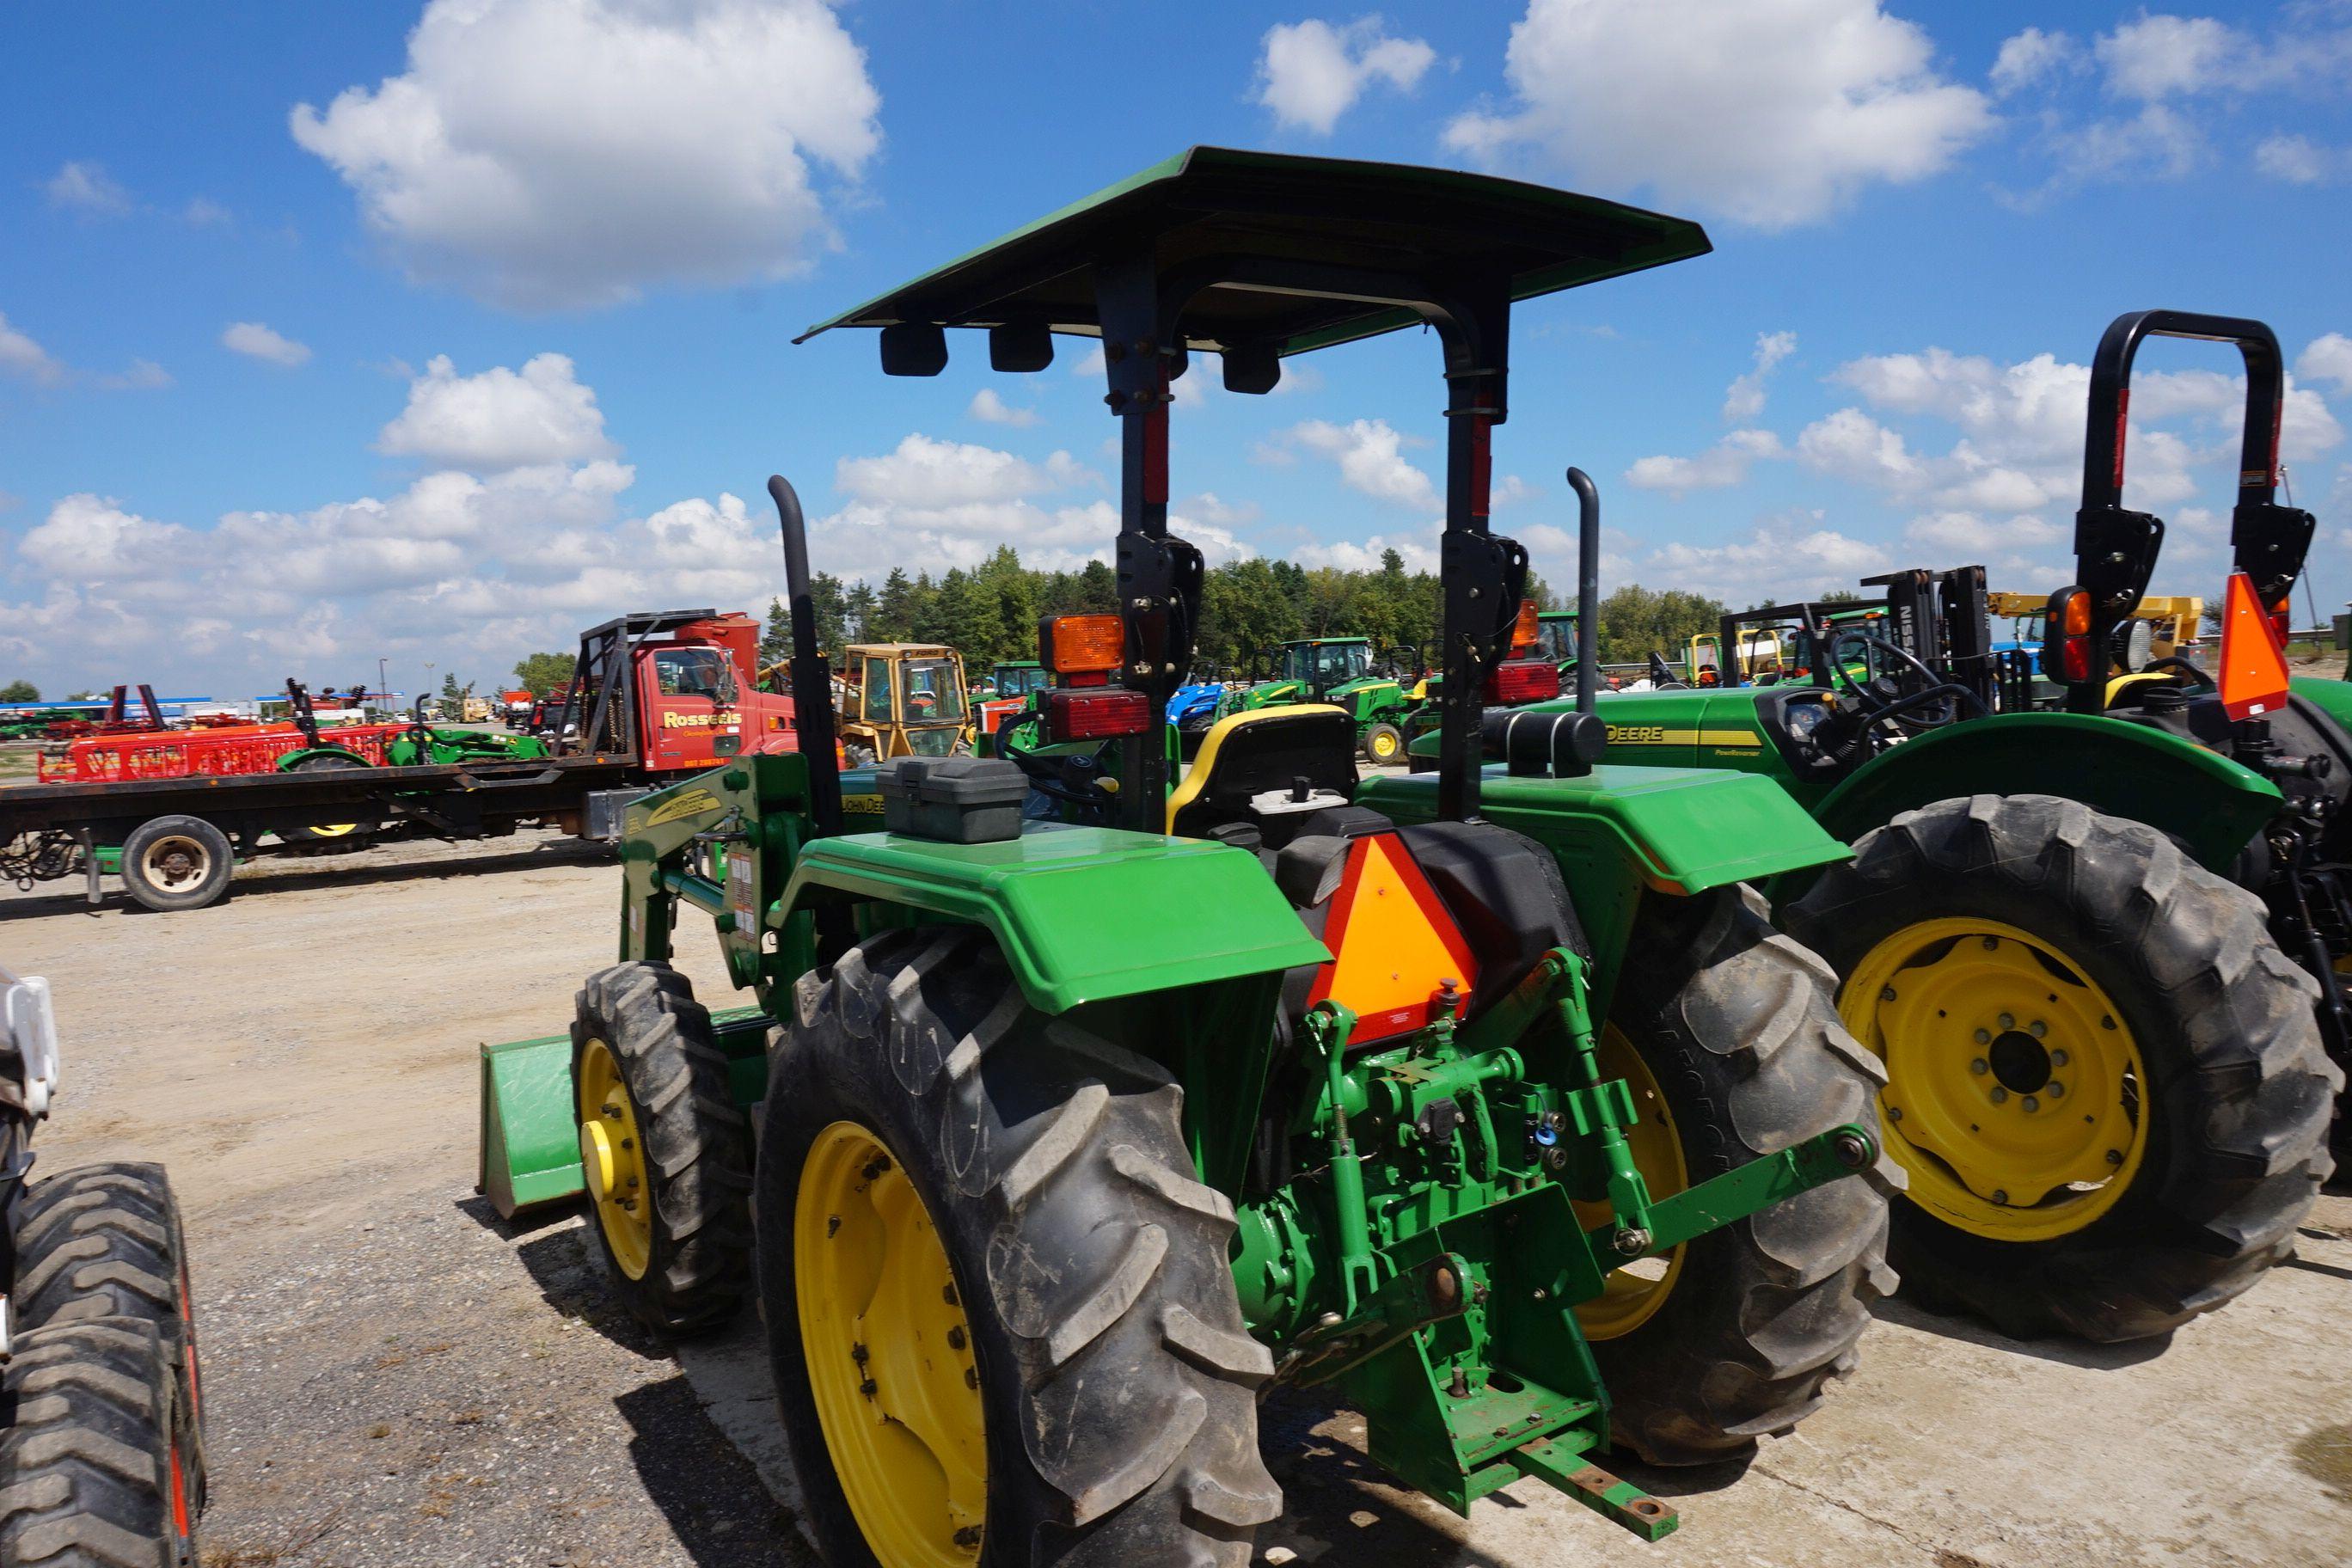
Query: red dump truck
x: 653, y: 695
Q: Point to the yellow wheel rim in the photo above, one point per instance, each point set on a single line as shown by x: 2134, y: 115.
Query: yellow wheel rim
x: 612, y: 1160
x: 1384, y: 748
x: 889, y: 1355
x: 1635, y: 1292
x: 2013, y: 1094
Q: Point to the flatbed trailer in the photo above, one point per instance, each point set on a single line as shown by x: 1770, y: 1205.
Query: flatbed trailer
x: 653, y: 688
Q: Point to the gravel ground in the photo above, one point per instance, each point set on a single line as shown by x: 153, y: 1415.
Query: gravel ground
x: 395, y: 1378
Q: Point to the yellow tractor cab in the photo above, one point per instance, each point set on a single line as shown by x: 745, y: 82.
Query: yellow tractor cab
x: 909, y: 702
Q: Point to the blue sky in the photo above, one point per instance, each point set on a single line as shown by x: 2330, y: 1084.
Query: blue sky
x: 435, y: 331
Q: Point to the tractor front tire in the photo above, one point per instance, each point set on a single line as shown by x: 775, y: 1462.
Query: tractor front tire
x: 176, y: 863
x: 664, y: 1154
x: 348, y: 835
x: 90, y: 1473
x: 1098, y: 1388
x: 1383, y: 745
x: 2217, y: 1090
x: 1735, y: 1027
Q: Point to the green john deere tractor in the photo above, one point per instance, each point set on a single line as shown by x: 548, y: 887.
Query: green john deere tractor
x: 2098, y: 947
x: 1487, y: 1099
x: 1344, y: 673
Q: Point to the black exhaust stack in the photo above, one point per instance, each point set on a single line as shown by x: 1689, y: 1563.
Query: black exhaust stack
x: 812, y: 680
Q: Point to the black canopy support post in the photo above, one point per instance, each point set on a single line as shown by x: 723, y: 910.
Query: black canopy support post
x: 1483, y: 575
x: 1158, y: 575
x: 1588, y: 590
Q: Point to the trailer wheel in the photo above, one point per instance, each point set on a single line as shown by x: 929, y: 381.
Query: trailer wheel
x: 105, y: 1241
x: 348, y: 833
x: 1002, y: 1321
x: 664, y: 1154
x: 1726, y: 1032
x: 176, y: 863
x: 2107, y: 1080
x: 89, y: 1469
x: 1384, y: 745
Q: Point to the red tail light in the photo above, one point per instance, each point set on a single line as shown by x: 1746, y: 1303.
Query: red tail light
x: 1522, y: 680
x: 2074, y: 660
x: 1095, y: 714
x: 2068, y: 657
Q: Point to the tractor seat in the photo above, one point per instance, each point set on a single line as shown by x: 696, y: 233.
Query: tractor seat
x: 1277, y: 768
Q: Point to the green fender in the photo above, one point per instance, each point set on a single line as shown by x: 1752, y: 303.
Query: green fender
x: 1082, y: 914
x: 2177, y: 786
x: 2331, y: 697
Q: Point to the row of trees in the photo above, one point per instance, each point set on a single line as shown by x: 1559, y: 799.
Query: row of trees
x: 989, y: 613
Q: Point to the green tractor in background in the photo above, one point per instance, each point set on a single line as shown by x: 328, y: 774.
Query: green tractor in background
x: 1344, y: 673
x: 1486, y: 1099
x: 2098, y: 949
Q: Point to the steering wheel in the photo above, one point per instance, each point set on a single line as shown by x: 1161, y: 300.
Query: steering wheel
x: 1878, y: 707
x: 1077, y: 780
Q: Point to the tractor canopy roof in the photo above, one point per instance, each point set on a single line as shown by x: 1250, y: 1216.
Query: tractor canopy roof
x: 1215, y: 207
x: 886, y: 649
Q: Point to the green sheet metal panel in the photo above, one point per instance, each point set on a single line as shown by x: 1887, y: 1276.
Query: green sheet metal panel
x: 1083, y: 914
x: 1688, y: 829
x: 2112, y: 765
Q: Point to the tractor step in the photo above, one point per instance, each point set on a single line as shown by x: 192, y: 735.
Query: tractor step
x: 530, y: 1139
x: 1614, y: 1498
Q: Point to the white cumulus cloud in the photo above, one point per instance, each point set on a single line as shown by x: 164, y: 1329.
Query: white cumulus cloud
x: 1773, y: 114
x: 86, y: 188
x: 2328, y: 358
x: 1370, y: 456
x: 555, y: 154
x: 1310, y: 73
x: 1744, y: 399
x: 500, y: 419
x: 20, y: 355
x: 990, y: 409
x: 258, y: 340
x: 1720, y: 467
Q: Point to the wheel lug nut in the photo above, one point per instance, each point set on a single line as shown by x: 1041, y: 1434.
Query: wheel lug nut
x: 2057, y: 1091
x: 1894, y: 1113
x: 2008, y: 1020
x: 2058, y: 1058
x: 1984, y: 1036
x: 1886, y: 994
x: 2031, y: 1103
x: 1992, y: 943
x: 2037, y: 1028
x: 2001, y: 1195
x: 1999, y: 1094
x: 2115, y: 1156
x: 1981, y: 1067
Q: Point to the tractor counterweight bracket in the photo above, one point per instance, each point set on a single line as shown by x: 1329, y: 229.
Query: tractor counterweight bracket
x: 1618, y: 1500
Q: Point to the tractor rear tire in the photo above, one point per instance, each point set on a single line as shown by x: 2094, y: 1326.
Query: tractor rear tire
x: 345, y: 834
x: 90, y: 1476
x: 176, y: 863
x: 1115, y: 1384
x: 675, y: 1244
x: 1736, y: 1026
x: 2232, y: 1101
x: 105, y: 1241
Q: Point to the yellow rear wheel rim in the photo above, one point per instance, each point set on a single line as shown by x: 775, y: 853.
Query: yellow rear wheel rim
x: 2015, y: 1086
x: 1634, y: 1294
x: 889, y: 1355
x: 612, y: 1160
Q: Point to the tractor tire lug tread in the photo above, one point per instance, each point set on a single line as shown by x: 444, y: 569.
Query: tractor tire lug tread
x: 1122, y: 1384
x: 2241, y: 1087
x: 698, y: 1147
x: 86, y: 1465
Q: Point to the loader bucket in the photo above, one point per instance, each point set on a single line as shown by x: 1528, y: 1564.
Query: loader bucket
x: 530, y: 1137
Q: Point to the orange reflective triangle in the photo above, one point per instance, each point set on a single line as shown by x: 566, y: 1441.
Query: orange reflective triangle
x: 2254, y: 665
x: 1393, y: 941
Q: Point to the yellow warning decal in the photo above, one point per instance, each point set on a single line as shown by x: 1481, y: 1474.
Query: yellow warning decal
x: 693, y: 802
